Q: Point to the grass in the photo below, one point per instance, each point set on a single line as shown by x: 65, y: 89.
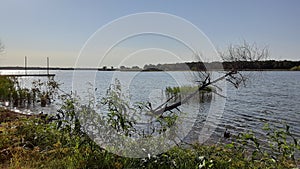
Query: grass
x: 180, y: 92
x: 295, y: 68
x: 31, y: 142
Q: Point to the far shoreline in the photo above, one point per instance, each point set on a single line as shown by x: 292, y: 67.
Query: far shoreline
x: 130, y: 70
x: 266, y: 65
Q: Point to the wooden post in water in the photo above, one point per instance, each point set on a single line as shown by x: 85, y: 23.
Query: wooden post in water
x: 25, y: 65
x: 47, y: 65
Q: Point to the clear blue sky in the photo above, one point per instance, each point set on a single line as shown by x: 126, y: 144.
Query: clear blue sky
x: 59, y: 28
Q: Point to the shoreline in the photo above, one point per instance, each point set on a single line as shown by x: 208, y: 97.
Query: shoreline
x: 129, y: 70
x: 7, y: 115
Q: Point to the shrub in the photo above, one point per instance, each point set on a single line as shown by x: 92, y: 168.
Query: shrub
x: 6, y: 88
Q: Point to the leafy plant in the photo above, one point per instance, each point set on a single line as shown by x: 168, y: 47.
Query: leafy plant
x: 45, y: 91
x: 41, y: 91
x: 6, y: 88
x: 178, y: 93
x: 295, y: 68
x: 120, y: 115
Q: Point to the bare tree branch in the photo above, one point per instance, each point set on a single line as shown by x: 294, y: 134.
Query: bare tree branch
x: 236, y: 54
x: 160, y: 111
x: 245, y: 52
x: 1, y: 47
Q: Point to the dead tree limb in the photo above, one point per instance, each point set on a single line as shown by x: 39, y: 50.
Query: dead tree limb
x: 159, y: 111
x: 234, y: 54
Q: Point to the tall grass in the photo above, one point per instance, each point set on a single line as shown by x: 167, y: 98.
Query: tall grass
x: 295, y: 68
x: 32, y: 143
x: 180, y: 92
x: 17, y: 96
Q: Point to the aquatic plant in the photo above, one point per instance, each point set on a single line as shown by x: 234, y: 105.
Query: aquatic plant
x: 177, y: 93
x: 295, y: 68
x: 19, y: 96
x: 6, y: 88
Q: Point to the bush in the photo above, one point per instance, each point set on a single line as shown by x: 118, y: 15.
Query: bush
x: 41, y: 91
x: 6, y: 88
x: 35, y: 142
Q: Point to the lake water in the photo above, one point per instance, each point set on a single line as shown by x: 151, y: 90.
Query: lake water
x: 268, y: 97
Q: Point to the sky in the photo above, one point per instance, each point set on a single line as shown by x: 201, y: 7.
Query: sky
x: 64, y: 30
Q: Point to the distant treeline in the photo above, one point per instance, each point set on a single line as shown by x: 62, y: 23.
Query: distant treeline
x: 241, y: 65
x: 194, y: 66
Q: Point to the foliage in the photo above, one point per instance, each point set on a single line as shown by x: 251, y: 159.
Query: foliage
x: 227, y: 65
x: 178, y: 93
x: 279, y: 150
x: 6, y: 88
x: 121, y: 116
x: 45, y: 90
x: 33, y: 143
x: 295, y: 68
x: 41, y: 91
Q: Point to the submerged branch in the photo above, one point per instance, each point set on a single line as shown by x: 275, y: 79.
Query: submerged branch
x: 159, y: 111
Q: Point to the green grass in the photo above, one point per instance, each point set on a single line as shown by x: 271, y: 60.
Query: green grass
x: 32, y: 143
x: 183, y: 91
x: 295, y: 68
